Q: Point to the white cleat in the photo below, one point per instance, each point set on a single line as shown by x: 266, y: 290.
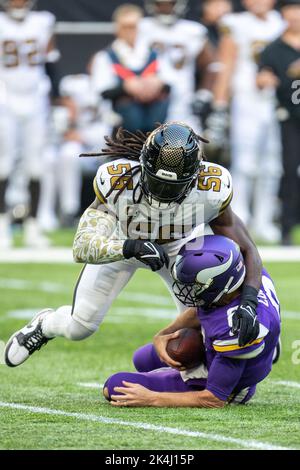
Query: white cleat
x: 268, y: 234
x: 5, y: 233
x: 26, y: 341
x: 33, y: 237
x: 5, y: 242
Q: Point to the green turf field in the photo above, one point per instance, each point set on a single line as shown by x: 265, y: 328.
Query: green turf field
x: 54, y: 378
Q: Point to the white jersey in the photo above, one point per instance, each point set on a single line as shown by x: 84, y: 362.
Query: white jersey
x: 135, y: 218
x: 252, y: 35
x: 90, y: 122
x: 23, y: 53
x: 178, y: 46
x: 79, y: 89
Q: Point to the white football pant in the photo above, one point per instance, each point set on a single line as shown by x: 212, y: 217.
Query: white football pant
x: 98, y: 286
x: 23, y: 137
x: 256, y: 159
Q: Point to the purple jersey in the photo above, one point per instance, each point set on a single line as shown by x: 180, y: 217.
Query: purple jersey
x: 233, y: 368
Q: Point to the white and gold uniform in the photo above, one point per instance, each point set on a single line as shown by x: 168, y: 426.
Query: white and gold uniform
x: 24, y: 90
x: 254, y: 133
x: 89, y: 127
x: 178, y: 46
x: 102, y: 232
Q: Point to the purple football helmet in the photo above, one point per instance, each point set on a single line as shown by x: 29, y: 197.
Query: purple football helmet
x: 207, y: 268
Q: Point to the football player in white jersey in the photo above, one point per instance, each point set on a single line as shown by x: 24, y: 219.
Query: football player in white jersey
x: 77, y: 127
x: 256, y: 160
x: 157, y: 194
x: 27, y: 51
x: 183, y: 46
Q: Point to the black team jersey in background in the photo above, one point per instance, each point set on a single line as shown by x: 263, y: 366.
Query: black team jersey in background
x: 283, y: 60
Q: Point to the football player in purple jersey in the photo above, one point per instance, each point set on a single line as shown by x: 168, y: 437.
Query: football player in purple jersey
x: 209, y: 273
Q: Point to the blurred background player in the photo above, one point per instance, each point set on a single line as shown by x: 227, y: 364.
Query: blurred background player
x: 127, y: 75
x: 212, y: 12
x: 280, y: 68
x: 255, y: 144
x: 78, y: 127
x: 183, y: 47
x: 26, y: 60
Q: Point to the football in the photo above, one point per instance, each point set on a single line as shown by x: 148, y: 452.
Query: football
x: 188, y: 348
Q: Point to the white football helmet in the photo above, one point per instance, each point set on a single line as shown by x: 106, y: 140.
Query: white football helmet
x: 18, y: 9
x: 168, y: 19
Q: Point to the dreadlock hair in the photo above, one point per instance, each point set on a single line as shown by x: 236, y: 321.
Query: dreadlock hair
x: 128, y: 145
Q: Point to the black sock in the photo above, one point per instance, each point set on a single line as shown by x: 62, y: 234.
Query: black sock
x: 34, y: 191
x: 3, y: 187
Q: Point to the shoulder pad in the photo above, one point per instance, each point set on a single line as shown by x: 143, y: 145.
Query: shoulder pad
x: 109, y: 179
x: 217, y: 182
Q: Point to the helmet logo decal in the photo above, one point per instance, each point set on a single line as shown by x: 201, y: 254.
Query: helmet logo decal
x: 209, y: 273
x: 168, y: 175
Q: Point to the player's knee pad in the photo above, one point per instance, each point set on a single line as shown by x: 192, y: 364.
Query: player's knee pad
x: 77, y: 332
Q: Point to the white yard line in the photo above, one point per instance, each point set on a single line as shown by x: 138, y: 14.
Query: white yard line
x: 27, y: 255
x: 128, y: 314
x: 283, y: 254
x: 45, y: 286
x: 138, y: 297
x: 253, y: 444
x: 22, y: 284
x: 116, y: 315
x: 90, y: 385
x: 64, y: 255
x: 290, y: 315
x: 286, y: 383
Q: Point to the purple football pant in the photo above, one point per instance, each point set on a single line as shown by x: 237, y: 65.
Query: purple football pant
x: 155, y: 375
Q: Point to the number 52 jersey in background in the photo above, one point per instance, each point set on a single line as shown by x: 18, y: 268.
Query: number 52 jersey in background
x: 23, y: 54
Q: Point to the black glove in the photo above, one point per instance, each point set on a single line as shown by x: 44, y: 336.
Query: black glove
x: 244, y: 320
x: 147, y: 252
x: 202, y: 105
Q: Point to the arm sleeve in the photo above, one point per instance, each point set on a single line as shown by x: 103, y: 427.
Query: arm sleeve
x: 224, y: 375
x: 94, y: 241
